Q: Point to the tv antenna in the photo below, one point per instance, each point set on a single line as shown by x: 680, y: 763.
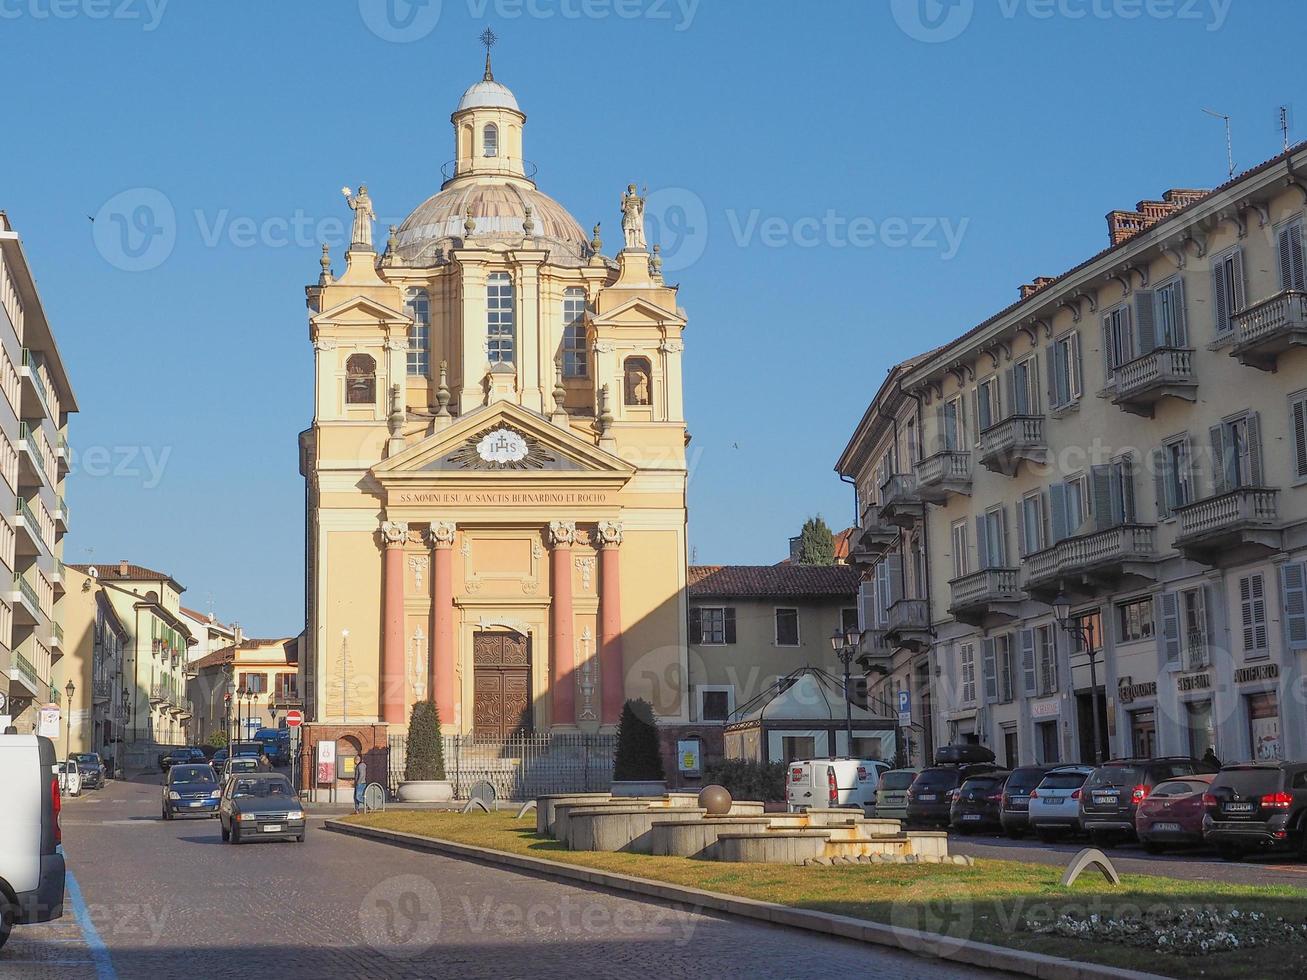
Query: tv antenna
x: 1285, y: 125
x: 1229, y: 144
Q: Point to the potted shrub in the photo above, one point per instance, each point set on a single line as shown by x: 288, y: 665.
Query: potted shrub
x: 638, y: 763
x: 424, y: 759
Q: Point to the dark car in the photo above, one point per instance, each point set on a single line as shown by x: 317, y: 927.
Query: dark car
x: 260, y: 805
x: 1114, y: 791
x: 977, y: 803
x: 1014, y: 808
x: 1257, y: 806
x: 91, y: 767
x: 1172, y: 814
x: 218, y: 759
x: 929, y: 796
x: 180, y: 757
x: 190, y: 790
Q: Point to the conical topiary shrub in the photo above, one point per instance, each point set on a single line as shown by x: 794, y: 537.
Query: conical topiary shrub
x: 637, y: 758
x: 424, y: 758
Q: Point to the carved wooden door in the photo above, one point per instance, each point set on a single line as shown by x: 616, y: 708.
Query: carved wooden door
x: 501, y: 686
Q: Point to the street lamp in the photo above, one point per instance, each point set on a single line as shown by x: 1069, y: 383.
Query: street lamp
x: 1084, y: 630
x: 845, y: 643
x: 68, y: 727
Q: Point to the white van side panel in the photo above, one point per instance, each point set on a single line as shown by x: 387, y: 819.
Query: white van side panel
x: 21, y: 785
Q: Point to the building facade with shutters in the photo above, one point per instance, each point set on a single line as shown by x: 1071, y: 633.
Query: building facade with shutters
x: 1131, y: 438
x: 495, y: 472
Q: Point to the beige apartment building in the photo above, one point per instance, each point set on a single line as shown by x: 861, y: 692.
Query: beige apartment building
x: 95, y: 641
x: 35, y: 403
x: 1130, y: 439
x: 247, y: 685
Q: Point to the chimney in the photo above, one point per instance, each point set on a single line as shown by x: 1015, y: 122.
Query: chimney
x: 1039, y: 282
x: 1124, y: 225
x: 122, y: 568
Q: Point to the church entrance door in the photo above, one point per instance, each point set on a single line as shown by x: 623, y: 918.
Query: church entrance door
x: 501, y: 685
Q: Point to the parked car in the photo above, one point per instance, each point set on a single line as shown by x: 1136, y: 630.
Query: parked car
x: 929, y: 796
x: 190, y: 790
x: 1054, y: 805
x: 1257, y: 806
x: 218, y: 758
x: 92, y: 767
x: 832, y: 783
x: 209, y: 751
x: 1014, y: 809
x: 31, y: 867
x: 262, y: 805
x: 892, y: 794
x: 181, y: 757
x: 241, y: 765
x: 977, y: 803
x: 249, y: 746
x: 1172, y: 814
x: 1113, y: 793
x: 276, y: 744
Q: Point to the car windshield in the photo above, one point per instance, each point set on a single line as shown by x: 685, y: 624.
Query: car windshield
x: 1063, y: 780
x: 243, y: 764
x: 897, y: 780
x: 85, y: 757
x: 190, y: 774
x: 262, y: 789
x: 1117, y: 776
x: 981, y: 783
x: 1249, y: 782
x: 937, y: 779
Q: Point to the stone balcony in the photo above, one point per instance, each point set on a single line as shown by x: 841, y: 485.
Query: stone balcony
x: 1093, y: 563
x: 909, y: 625
x: 872, y: 539
x: 991, y: 596
x: 1267, y: 329
x: 1164, y: 372
x: 900, y: 504
x: 945, y: 473
x: 1004, y: 445
x: 1230, y: 528
x: 875, y: 652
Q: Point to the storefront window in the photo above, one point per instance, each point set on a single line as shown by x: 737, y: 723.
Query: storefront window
x: 1048, y: 750
x: 1143, y: 733
x: 1264, y: 726
x: 1201, y: 734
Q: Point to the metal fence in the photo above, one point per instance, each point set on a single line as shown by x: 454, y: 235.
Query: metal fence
x: 523, y: 767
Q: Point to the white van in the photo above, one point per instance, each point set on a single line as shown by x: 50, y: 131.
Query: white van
x: 31, y: 866
x: 824, y: 783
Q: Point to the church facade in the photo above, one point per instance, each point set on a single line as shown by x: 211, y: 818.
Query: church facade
x: 495, y: 474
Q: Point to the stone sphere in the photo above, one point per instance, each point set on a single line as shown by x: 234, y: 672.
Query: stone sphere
x: 716, y: 800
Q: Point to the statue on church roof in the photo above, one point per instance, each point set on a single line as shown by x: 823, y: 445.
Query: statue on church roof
x: 633, y: 218
x: 361, y: 204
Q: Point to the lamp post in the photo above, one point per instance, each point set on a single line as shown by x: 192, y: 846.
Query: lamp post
x: 1084, y: 630
x: 68, y: 725
x: 845, y: 642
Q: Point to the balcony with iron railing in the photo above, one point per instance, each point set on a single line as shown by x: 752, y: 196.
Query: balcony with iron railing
x: 1233, y: 526
x: 900, y: 504
x: 36, y: 390
x: 285, y: 699
x: 26, y: 674
x: 990, y: 596
x: 101, y: 688
x: 61, y: 514
x: 160, y: 694
x: 32, y: 470
x: 908, y: 624
x: 1267, y: 329
x: 1164, y: 372
x: 57, y: 576
x: 947, y: 472
x: 1094, y: 562
x: 1004, y: 445
x: 62, y: 455
x: 27, y: 602
x: 33, y: 536
x: 56, y: 636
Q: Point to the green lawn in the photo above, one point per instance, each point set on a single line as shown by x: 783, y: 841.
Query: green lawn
x: 990, y: 902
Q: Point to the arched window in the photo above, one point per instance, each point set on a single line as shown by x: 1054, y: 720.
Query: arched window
x: 499, y: 318
x: 639, y: 381
x: 574, y: 348
x: 490, y: 140
x: 360, y: 380
x: 418, y: 305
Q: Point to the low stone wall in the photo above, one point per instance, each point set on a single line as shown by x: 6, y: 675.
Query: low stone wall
x: 609, y: 828
x: 698, y: 838
x: 545, y: 808
x: 776, y: 847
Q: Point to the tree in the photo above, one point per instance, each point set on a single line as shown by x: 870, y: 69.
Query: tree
x: 637, y: 757
x: 816, y: 543
x: 218, y: 740
x: 424, y: 757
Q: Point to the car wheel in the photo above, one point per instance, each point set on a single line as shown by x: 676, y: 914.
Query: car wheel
x: 8, y: 911
x: 1229, y: 852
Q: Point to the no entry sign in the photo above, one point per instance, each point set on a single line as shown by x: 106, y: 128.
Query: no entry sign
x: 294, y: 718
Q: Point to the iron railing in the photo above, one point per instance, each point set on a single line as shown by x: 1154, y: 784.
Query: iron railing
x: 27, y: 589
x: 33, y: 365
x: 522, y: 767
x: 28, y: 435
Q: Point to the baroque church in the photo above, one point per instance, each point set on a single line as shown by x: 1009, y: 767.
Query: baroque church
x: 495, y: 475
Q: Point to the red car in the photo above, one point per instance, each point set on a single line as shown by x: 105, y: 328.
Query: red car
x: 1172, y: 814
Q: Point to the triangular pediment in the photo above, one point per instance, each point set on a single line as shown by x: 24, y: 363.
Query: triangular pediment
x: 359, y: 309
x: 503, y: 438
x: 638, y: 311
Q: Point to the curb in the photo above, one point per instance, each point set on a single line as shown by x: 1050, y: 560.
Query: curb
x: 926, y: 944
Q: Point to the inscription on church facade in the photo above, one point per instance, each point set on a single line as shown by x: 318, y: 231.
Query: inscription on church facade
x: 525, y: 498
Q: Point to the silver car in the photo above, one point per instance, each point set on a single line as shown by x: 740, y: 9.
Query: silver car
x: 1055, y: 802
x: 892, y: 795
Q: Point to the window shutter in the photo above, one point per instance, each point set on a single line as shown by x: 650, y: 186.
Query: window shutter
x: 975, y: 414
x: 1145, y: 317
x: 990, y: 668
x: 1236, y: 262
x: 1059, y: 392
x: 1109, y: 355
x: 696, y: 625
x: 728, y: 620
x: 1220, y: 483
x: 1293, y: 585
x: 883, y: 599
x: 1129, y: 514
x: 1255, y: 450
x: 1058, y: 509
x: 982, y: 541
x: 1168, y: 614
x: 1298, y: 422
x: 1028, y: 660
x: 941, y: 430
x: 1021, y: 528
x: 895, y: 563
x: 1291, y: 258
x: 1010, y: 383
x: 1076, y: 369
x: 1252, y: 610
x: 999, y: 544
x: 1100, y: 484
x: 1181, y: 338
x: 1034, y: 385
x: 1220, y: 295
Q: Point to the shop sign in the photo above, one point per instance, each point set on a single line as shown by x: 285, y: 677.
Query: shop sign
x: 1261, y: 672
x: 1128, y: 691
x: 1194, y: 682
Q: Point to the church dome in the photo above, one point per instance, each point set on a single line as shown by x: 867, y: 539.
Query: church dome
x: 488, y: 94
x: 499, y: 210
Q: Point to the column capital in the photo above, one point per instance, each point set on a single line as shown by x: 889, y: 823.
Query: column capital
x: 608, y: 534
x: 562, y: 534
x: 394, y: 533
x: 440, y: 534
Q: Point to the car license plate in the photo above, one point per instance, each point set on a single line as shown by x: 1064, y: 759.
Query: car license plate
x: 1238, y: 808
x: 971, y: 816
x: 1106, y: 797
x: 197, y: 803
x: 1173, y: 828
x: 927, y: 797
x: 271, y: 828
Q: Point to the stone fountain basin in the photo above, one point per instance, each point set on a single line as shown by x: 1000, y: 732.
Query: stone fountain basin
x: 614, y: 828
x: 698, y: 838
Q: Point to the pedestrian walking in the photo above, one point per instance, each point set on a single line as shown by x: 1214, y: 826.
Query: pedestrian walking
x: 360, y: 782
x: 1210, y: 758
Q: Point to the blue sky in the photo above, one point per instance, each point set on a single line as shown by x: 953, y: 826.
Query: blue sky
x: 837, y: 185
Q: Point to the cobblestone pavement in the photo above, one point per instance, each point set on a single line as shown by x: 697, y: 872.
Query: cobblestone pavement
x: 169, y: 900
